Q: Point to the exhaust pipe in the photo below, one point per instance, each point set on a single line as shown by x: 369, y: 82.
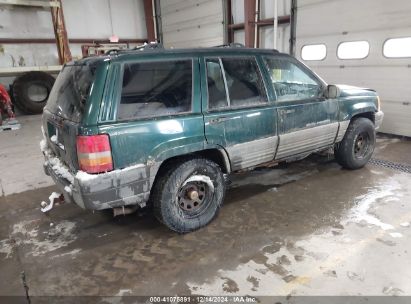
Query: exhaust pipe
x: 124, y: 210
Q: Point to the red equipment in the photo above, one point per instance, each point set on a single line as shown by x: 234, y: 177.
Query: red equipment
x: 5, y: 102
x: 6, y: 107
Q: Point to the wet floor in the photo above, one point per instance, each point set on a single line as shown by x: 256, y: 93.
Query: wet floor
x: 308, y: 228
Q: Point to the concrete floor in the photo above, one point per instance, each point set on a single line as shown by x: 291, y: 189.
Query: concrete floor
x: 311, y: 228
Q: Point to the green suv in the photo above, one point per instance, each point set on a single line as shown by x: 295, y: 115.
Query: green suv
x: 162, y: 127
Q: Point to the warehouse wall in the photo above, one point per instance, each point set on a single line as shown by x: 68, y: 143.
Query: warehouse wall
x: 192, y: 23
x: 199, y: 23
x: 266, y: 33
x: 373, y: 21
x: 92, y: 19
x: 25, y: 22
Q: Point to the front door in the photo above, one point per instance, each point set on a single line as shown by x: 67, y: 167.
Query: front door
x: 307, y: 121
x: 237, y: 114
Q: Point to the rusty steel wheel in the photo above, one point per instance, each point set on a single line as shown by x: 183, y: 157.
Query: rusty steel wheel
x: 357, y: 146
x: 189, y: 195
x: 195, y: 195
x: 361, y: 145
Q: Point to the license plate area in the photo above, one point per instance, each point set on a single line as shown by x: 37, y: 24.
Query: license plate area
x: 55, y: 135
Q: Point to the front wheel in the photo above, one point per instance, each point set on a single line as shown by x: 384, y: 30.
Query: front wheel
x: 357, y: 146
x: 189, y: 195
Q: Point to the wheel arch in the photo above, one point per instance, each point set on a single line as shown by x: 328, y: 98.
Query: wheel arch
x: 217, y: 155
x: 368, y: 114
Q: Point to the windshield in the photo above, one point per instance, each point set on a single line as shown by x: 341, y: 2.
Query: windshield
x: 70, y: 92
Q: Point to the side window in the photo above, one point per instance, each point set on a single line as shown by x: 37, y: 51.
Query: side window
x: 156, y: 89
x: 217, y: 95
x: 290, y: 82
x: 244, y: 81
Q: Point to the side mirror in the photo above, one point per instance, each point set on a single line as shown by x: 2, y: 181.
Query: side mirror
x: 332, y: 92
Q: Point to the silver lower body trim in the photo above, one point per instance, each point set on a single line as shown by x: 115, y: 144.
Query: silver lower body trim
x: 306, y: 140
x: 252, y: 153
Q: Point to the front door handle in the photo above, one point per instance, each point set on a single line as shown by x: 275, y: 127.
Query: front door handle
x: 286, y: 111
x: 218, y: 120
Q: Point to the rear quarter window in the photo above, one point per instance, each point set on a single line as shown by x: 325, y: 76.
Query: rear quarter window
x: 157, y: 88
x: 70, y: 91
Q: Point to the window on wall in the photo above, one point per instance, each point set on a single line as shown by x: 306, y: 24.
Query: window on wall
x: 313, y: 52
x: 397, y: 47
x: 353, y: 50
x: 291, y: 82
x: 156, y: 89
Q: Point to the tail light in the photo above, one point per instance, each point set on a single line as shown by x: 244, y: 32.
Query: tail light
x: 94, y: 153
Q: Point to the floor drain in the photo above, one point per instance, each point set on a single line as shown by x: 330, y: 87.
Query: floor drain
x: 391, y: 165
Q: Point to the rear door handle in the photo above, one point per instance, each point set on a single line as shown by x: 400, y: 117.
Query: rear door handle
x: 218, y: 120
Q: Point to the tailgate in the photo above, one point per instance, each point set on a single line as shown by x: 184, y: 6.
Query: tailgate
x: 64, y: 110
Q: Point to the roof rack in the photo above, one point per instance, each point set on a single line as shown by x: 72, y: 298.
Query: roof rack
x: 144, y: 47
x: 149, y: 46
x: 232, y: 45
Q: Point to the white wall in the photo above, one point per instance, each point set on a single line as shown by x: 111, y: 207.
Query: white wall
x: 192, y: 23
x: 332, y: 22
x: 25, y: 22
x: 99, y: 19
x: 91, y: 19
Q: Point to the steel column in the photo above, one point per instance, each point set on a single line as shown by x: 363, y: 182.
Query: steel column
x: 249, y: 22
x: 293, y: 20
x: 149, y: 16
x: 229, y: 18
x: 60, y: 32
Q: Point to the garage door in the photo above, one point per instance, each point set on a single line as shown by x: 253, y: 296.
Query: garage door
x: 192, y: 23
x: 362, y: 45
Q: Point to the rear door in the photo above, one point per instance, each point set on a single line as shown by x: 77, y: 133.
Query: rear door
x: 156, y: 111
x: 307, y: 121
x: 237, y: 113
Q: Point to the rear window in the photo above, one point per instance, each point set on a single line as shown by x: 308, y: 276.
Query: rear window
x: 157, y: 88
x: 70, y: 92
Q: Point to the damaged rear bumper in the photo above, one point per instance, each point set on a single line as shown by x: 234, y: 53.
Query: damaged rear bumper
x: 130, y: 186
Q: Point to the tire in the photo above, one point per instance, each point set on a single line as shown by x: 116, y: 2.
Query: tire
x: 23, y: 94
x: 357, y: 146
x: 189, y: 195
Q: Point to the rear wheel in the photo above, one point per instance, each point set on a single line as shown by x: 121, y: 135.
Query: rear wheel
x: 357, y: 146
x: 189, y: 195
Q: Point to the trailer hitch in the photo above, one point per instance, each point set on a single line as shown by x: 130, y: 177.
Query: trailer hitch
x: 54, y: 198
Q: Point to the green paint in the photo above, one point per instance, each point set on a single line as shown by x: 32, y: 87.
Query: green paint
x: 157, y: 139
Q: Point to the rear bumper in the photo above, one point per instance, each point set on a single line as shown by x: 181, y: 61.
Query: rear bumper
x: 130, y: 186
x: 379, y: 116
